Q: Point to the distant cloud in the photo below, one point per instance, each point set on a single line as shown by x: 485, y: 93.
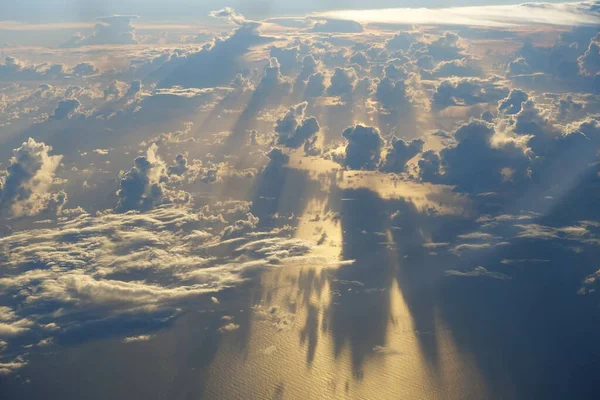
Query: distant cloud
x: 116, y: 29
x: 566, y: 14
x: 479, y: 272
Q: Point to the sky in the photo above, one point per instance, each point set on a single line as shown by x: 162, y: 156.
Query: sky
x: 240, y: 200
x: 61, y: 10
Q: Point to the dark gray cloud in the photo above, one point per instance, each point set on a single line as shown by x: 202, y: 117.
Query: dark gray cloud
x: 65, y: 109
x: 476, y: 164
x: 294, y: 129
x: 363, y: 149
x: 467, y: 92
x: 512, y: 104
x: 589, y: 62
x: 342, y: 82
x: 399, y: 153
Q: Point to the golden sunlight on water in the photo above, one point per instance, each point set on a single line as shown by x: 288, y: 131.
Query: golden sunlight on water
x: 307, y: 340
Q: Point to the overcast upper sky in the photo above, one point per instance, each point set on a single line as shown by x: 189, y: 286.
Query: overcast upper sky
x: 66, y: 10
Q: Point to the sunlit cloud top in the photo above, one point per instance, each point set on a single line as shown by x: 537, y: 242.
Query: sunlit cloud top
x: 567, y: 14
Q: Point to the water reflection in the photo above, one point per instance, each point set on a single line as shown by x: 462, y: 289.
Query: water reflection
x: 383, y: 323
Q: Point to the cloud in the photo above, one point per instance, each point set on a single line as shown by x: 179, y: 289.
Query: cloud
x: 363, y: 150
x: 479, y: 272
x: 139, y: 338
x: 13, y: 69
x: 229, y: 14
x: 401, y: 41
x: 65, y: 109
x: 217, y: 63
x: 467, y: 92
x: 144, y: 185
x: 116, y: 29
x: 342, y: 83
x: 83, y: 274
x: 476, y: 164
x: 294, y: 129
x: 589, y: 62
x: 387, y: 351
x: 26, y: 187
x: 230, y: 327
x: 337, y: 26
x: 513, y: 103
x: 565, y: 14
x: 392, y: 94
x: 315, y: 86
x: 399, y: 153
x: 463, y: 67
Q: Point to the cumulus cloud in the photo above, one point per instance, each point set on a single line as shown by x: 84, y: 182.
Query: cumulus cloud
x: 116, y: 29
x: 65, y: 109
x: 13, y: 69
x: 589, y: 62
x: 399, y: 153
x: 342, y: 82
x: 513, y: 103
x: 363, y: 149
x: 294, y: 129
x: 26, y: 187
x: 392, y: 94
x: 475, y: 163
x: 144, y: 185
x: 467, y: 92
x: 218, y: 62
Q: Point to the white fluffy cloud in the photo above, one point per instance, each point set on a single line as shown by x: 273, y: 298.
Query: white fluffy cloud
x: 26, y: 186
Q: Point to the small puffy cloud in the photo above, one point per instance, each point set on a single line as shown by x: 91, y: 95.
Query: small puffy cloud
x: 278, y: 157
x: 139, y: 338
x: 467, y: 92
x: 461, y: 67
x: 229, y: 14
x: 513, y: 103
x: 230, y: 327
x: 391, y: 94
x: 294, y: 128
x: 476, y: 164
x: 315, y: 87
x: 342, y: 82
x: 65, y: 109
x: 25, y: 188
x: 589, y: 62
x: 401, y: 41
x: 444, y: 47
x: 479, y: 272
x: 519, y: 66
x: 399, y: 153
x: 363, y: 150
x: 84, y: 69
x: 143, y: 187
